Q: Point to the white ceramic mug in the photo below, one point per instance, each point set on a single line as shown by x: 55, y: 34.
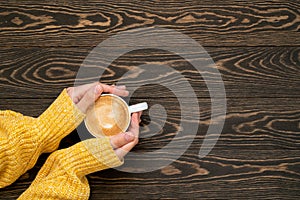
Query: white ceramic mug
x: 130, y: 109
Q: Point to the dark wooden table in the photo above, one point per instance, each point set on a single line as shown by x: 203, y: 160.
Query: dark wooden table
x: 255, y: 45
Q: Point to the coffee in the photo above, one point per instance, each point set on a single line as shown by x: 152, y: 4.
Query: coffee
x: 109, y: 116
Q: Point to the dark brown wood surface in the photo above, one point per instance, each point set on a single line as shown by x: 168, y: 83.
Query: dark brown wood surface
x: 261, y: 71
x: 256, y: 47
x: 212, y: 23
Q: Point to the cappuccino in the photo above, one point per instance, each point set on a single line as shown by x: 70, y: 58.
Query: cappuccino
x: 109, y: 116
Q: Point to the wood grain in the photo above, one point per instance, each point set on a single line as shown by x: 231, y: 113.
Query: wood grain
x: 248, y: 174
x: 253, y: 124
x: 252, y: 176
x: 227, y: 23
x: 246, y: 72
x: 255, y: 45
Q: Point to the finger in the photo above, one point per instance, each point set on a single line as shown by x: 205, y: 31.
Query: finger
x: 134, y: 127
x: 84, y: 88
x: 121, y: 152
x: 121, y: 139
x: 135, y: 120
x: 76, y: 93
x: 115, y: 90
x: 120, y: 87
x: 89, y: 97
x: 139, y: 115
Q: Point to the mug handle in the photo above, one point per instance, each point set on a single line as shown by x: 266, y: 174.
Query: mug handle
x: 138, y: 107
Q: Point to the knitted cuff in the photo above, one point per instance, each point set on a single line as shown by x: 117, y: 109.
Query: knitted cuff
x: 88, y: 156
x: 60, y: 119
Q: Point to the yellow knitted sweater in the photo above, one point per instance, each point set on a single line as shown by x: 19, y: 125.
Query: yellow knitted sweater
x: 23, y: 139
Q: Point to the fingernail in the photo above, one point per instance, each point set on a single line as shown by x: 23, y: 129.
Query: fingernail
x: 129, y: 137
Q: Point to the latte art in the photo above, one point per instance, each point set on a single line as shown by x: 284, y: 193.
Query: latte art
x: 109, y: 116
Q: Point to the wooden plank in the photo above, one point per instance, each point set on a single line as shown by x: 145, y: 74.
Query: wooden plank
x: 221, y: 23
x: 246, y: 72
x: 261, y: 123
x: 223, y: 174
x: 255, y: 45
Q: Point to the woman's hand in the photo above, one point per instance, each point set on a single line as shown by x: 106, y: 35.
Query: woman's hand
x: 124, y: 142
x: 85, y: 95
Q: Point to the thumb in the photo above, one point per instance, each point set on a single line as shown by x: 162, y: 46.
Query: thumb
x: 90, y: 97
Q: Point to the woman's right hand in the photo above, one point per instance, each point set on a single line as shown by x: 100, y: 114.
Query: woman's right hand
x: 122, y: 143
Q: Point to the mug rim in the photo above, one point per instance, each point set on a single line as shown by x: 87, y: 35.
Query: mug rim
x: 127, y: 107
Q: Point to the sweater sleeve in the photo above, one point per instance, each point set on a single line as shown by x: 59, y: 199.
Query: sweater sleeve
x: 63, y: 174
x: 23, y: 138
